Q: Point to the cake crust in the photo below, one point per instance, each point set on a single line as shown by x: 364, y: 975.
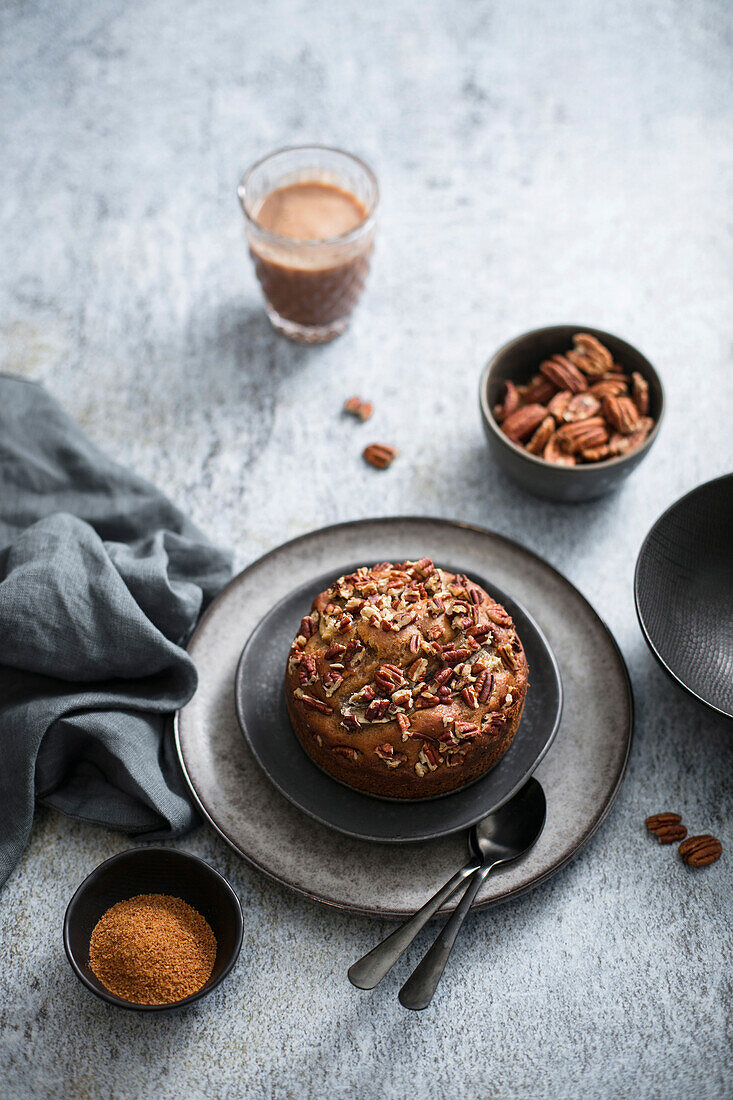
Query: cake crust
x: 406, y: 681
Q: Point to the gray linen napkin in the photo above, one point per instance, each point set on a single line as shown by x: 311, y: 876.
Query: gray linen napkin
x: 101, y: 581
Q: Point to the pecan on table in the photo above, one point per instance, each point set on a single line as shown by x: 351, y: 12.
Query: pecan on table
x: 380, y: 455
x: 699, y: 851
x: 667, y: 828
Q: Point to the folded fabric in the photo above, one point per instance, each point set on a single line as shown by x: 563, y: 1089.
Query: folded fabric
x: 102, y: 580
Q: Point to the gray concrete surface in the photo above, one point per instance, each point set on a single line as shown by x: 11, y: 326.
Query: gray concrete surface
x: 539, y: 163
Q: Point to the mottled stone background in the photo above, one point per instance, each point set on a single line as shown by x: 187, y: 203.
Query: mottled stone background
x: 540, y: 163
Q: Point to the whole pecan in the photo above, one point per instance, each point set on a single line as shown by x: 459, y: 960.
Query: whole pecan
x: 524, y: 422
x: 640, y: 392
x: 537, y: 443
x: 380, y: 455
x: 564, y: 374
x: 597, y: 454
x: 699, y: 851
x: 621, y: 413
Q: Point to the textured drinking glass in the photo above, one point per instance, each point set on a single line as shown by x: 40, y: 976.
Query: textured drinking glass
x: 310, y: 286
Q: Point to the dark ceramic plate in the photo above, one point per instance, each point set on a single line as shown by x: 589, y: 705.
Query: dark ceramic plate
x: 263, y: 717
x: 684, y: 592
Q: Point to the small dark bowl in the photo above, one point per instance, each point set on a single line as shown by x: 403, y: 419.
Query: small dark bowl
x: 683, y: 588
x: 516, y: 362
x: 153, y: 871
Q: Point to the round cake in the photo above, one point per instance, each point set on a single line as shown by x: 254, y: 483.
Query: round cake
x: 406, y: 681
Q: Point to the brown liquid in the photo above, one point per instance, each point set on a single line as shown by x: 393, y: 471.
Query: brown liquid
x: 315, y: 284
x: 310, y: 211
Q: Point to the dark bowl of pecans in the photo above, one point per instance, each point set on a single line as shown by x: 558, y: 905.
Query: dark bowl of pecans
x: 570, y: 411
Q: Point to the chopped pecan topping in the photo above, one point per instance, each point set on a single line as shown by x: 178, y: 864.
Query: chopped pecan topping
x: 307, y: 671
x: 312, y: 703
x: 347, y: 751
x: 376, y: 710
x: 308, y: 626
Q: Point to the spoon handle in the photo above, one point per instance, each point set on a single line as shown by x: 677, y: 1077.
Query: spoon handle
x: 369, y: 970
x: 418, y: 990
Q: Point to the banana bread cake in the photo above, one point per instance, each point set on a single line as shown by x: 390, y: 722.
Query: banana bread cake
x: 406, y: 681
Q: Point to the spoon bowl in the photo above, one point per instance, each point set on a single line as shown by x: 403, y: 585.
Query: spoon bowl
x: 512, y: 829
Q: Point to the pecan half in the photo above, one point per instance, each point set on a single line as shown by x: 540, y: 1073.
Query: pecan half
x: 667, y: 828
x: 524, y: 422
x: 552, y: 453
x: 577, y: 437
x: 699, y: 851
x: 564, y: 374
x: 537, y: 443
x: 624, y: 444
x: 590, y: 355
x: 559, y: 404
x: 358, y: 408
x: 580, y: 407
x: 539, y: 390
x: 511, y: 402
x: 380, y: 455
x: 607, y: 387
x: 621, y: 413
x: 640, y: 392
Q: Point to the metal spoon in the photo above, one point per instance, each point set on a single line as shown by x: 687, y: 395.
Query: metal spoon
x: 498, y: 838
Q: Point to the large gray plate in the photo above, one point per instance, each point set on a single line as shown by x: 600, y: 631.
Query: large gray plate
x: 581, y: 773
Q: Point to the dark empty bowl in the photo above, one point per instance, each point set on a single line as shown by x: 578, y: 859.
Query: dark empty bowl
x: 153, y: 871
x: 516, y: 362
x: 684, y: 592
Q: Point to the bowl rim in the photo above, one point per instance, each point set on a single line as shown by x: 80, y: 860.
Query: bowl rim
x: 120, y: 1002
x: 565, y: 471
x: 647, y: 637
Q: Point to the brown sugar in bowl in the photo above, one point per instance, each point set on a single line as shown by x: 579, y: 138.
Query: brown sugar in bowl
x: 145, y: 871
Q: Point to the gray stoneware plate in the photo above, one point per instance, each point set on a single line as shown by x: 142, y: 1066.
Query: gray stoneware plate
x: 581, y: 773
x: 263, y: 716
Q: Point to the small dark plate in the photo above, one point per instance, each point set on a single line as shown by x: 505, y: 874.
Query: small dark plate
x: 153, y: 870
x: 263, y: 717
x: 683, y: 588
